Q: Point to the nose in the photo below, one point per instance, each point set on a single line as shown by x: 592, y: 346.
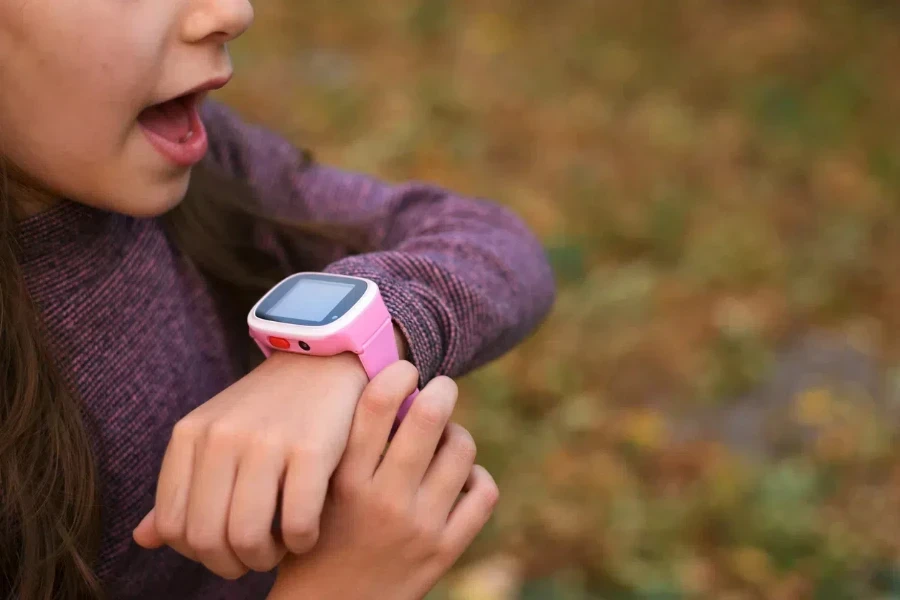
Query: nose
x: 218, y: 21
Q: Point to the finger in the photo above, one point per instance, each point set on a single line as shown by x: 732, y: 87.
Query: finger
x: 412, y: 450
x: 404, y: 408
x: 253, y: 508
x: 145, y: 534
x: 305, y: 487
x: 448, y: 472
x: 173, y: 488
x: 472, y: 512
x: 208, y: 507
x: 374, y: 417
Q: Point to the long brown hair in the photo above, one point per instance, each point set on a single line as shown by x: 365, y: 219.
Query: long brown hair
x: 49, y: 498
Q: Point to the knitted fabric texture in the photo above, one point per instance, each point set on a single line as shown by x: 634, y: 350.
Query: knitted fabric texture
x: 144, y: 345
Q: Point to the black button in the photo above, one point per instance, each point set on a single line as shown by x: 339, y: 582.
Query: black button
x: 303, y: 345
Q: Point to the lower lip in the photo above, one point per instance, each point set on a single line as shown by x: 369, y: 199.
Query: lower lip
x: 184, y: 154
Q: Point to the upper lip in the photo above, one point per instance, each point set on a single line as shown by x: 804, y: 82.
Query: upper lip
x: 212, y: 84
x: 195, y: 94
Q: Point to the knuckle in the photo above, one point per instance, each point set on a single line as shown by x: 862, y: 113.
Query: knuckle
x: 187, y: 430
x: 169, y: 527
x: 462, y: 444
x: 224, y: 433
x: 247, y: 541
x: 377, y: 401
x: 202, y: 541
x: 305, y: 454
x: 300, y: 533
x: 267, y: 443
x: 431, y: 414
x: 387, y: 509
x: 251, y: 547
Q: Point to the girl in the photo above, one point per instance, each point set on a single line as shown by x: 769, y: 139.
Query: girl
x: 138, y: 224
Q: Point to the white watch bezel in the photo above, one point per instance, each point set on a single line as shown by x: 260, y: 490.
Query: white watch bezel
x: 312, y: 332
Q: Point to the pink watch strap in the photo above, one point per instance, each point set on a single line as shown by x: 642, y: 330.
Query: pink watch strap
x: 381, y: 351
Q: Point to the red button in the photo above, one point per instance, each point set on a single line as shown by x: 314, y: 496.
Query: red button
x: 278, y: 342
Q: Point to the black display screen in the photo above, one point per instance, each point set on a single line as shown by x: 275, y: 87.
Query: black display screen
x: 311, y: 299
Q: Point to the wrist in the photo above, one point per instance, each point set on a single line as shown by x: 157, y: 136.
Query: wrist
x: 337, y: 313
x: 347, y: 363
x: 345, y: 366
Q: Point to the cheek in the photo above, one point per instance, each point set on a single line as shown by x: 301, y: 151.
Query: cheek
x: 78, y: 67
x: 82, y: 70
x: 57, y: 130
x: 72, y: 119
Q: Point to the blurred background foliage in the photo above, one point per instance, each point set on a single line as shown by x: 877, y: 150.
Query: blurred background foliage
x: 711, y: 409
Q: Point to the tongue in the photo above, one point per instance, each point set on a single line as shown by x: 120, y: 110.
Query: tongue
x: 170, y: 120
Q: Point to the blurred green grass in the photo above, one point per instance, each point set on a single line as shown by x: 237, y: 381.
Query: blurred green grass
x: 711, y: 180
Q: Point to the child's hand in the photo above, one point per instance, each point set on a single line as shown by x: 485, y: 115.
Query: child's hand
x: 391, y: 528
x: 281, y: 429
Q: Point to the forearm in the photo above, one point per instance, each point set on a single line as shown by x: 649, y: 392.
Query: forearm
x: 464, y: 278
x: 462, y: 304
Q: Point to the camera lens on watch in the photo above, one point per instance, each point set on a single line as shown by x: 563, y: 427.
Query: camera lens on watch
x: 303, y: 345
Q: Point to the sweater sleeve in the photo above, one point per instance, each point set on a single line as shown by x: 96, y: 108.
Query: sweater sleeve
x: 464, y: 278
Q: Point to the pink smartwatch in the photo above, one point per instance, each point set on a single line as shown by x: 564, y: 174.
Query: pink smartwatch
x: 324, y: 315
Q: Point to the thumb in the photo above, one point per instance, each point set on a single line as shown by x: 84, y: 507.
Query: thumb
x: 145, y: 533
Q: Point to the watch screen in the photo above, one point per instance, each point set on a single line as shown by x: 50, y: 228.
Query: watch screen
x: 312, y: 299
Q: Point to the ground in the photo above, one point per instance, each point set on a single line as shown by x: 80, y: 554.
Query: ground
x: 710, y: 410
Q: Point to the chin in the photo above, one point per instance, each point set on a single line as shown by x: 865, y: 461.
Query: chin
x: 152, y: 200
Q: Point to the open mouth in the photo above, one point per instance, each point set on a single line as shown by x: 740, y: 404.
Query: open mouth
x: 174, y: 128
x: 171, y: 120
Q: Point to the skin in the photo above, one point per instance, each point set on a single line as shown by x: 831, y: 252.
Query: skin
x: 82, y: 71
x: 109, y: 60
x: 396, y: 521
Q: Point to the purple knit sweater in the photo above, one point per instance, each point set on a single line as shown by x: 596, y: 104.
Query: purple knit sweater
x: 464, y: 279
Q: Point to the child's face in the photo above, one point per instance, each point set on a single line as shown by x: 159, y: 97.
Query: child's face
x: 76, y: 78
